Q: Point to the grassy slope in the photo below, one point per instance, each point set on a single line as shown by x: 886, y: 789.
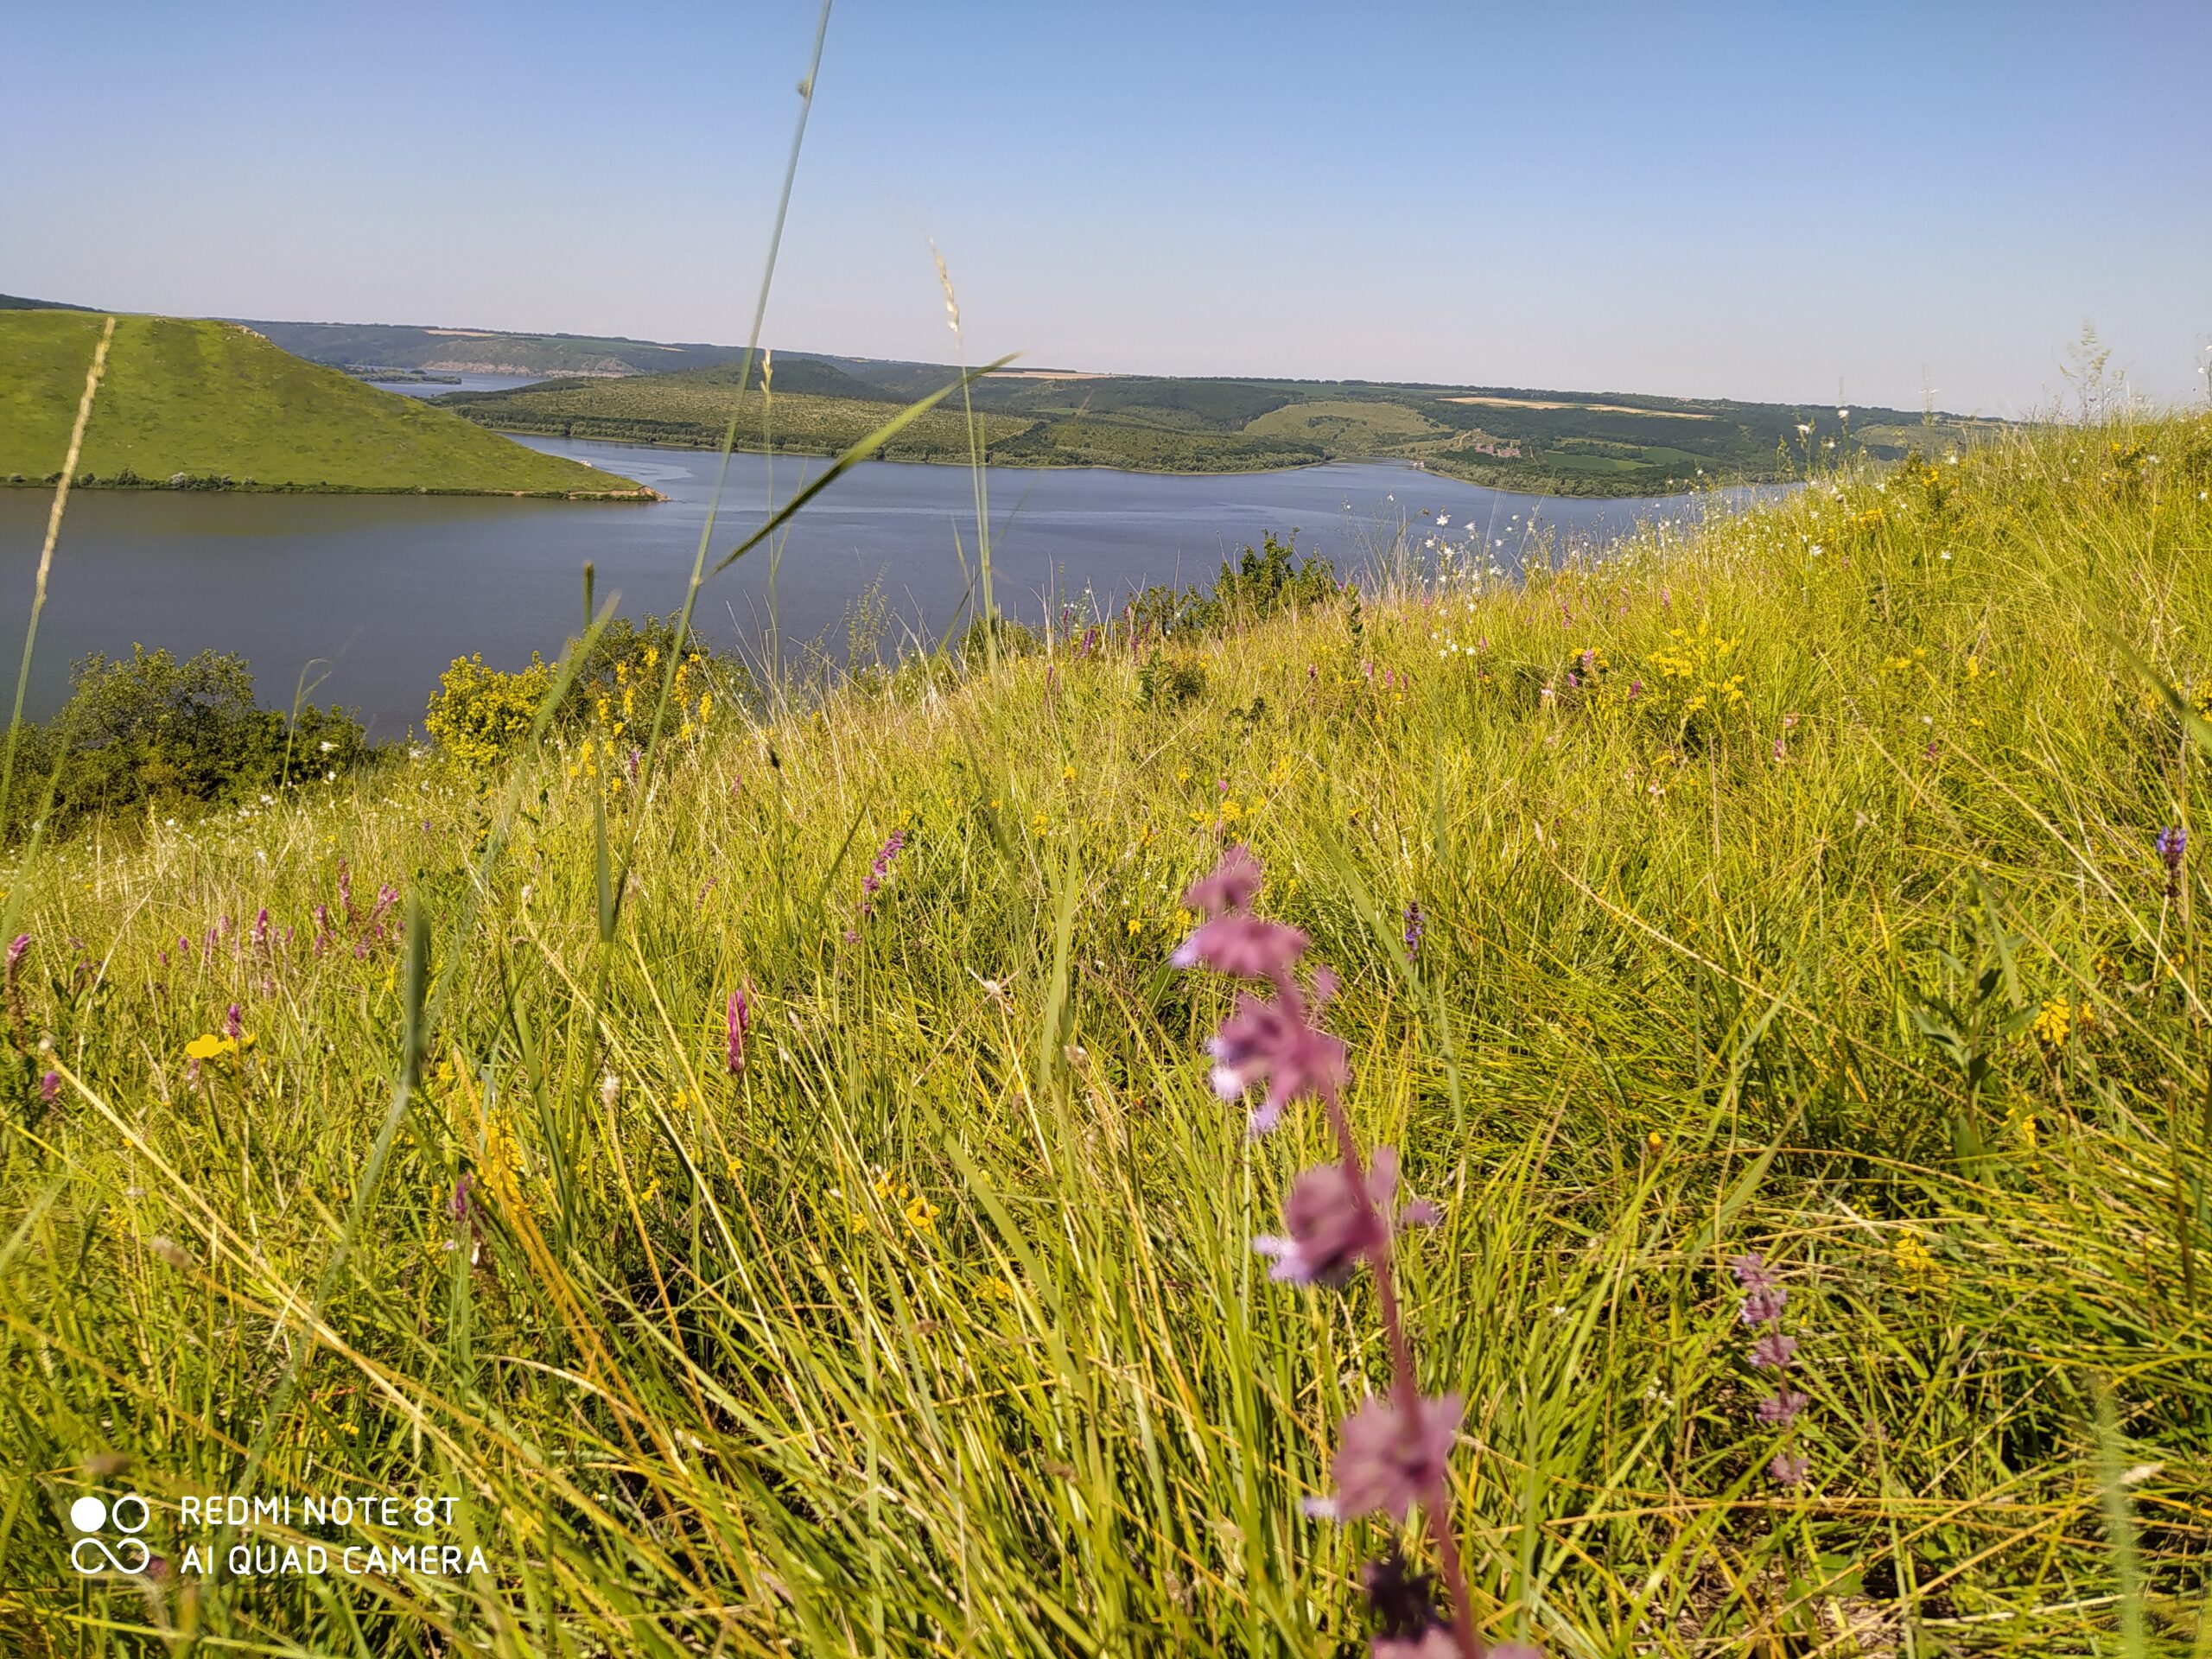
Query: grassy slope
x: 210, y: 399
x: 938, y: 1331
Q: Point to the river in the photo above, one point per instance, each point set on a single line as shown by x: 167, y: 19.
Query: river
x: 376, y: 594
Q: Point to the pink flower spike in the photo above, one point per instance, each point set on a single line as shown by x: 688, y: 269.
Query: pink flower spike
x: 1232, y: 886
x: 1774, y: 1351
x: 1434, y: 1642
x: 1752, y: 1271
x: 1780, y: 1408
x: 1386, y: 1466
x: 741, y: 1016
x: 1332, y: 1228
x: 1242, y: 945
x: 1764, y: 1306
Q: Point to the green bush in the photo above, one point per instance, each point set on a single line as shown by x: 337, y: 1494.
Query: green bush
x: 155, y: 733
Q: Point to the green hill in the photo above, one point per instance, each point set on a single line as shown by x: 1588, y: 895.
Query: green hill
x: 213, y: 405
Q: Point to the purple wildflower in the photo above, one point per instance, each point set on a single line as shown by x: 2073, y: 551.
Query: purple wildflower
x: 1386, y: 1466
x: 1764, y: 1306
x: 1403, y: 1603
x: 1240, y: 945
x: 346, y: 891
x: 233, y: 1023
x: 49, y: 1087
x: 1332, y: 1227
x: 1780, y: 1409
x: 321, y: 929
x: 1413, y: 927
x: 1636, y: 688
x: 261, y: 930
x: 1787, y: 1471
x: 2172, y: 843
x: 1263, y: 1042
x: 1752, y: 1271
x: 1231, y: 885
x: 387, y: 896
x: 1392, y: 1452
x: 877, y: 872
x: 460, y: 1205
x: 1774, y: 1351
x: 741, y: 1016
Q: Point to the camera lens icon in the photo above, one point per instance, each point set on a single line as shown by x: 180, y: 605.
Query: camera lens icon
x: 92, y: 1553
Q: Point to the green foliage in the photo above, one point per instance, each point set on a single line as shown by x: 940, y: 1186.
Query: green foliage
x: 1253, y: 586
x: 191, y: 404
x: 152, y: 735
x: 1168, y: 681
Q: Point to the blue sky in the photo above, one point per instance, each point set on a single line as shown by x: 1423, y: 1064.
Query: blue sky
x: 1754, y: 201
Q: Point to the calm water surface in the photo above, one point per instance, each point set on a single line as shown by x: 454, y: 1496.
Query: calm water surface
x: 386, y: 591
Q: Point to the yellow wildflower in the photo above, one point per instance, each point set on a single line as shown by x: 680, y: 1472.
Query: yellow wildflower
x: 2054, y: 1021
x: 1911, y: 1254
x: 921, y: 1216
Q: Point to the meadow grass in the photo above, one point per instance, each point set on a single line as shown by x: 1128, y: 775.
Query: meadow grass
x: 1788, y: 887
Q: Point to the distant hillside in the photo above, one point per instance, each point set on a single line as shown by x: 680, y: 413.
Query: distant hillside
x: 815, y: 409
x: 484, y: 351
x: 1548, y: 442
x: 211, y: 404
x: 18, y: 302
x: 1511, y: 437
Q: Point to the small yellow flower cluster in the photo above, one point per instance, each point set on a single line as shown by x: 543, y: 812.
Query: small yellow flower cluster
x: 1692, y: 674
x: 1914, y: 1260
x: 892, y: 1193
x: 501, y: 1168
x: 2056, y: 1018
x: 210, y: 1046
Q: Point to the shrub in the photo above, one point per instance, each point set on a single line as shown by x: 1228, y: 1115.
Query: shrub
x: 480, y: 716
x: 1261, y: 581
x: 157, y: 733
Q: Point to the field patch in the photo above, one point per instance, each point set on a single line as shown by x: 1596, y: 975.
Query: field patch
x: 1345, y: 423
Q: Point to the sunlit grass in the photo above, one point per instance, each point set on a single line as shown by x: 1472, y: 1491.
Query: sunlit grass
x: 1751, y: 869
